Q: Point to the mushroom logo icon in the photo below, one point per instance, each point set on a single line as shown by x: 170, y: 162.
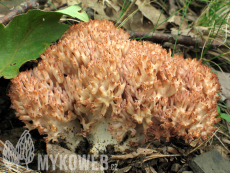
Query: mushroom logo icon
x: 24, y: 150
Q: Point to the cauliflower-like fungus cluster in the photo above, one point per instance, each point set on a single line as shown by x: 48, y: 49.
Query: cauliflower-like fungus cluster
x: 99, y: 85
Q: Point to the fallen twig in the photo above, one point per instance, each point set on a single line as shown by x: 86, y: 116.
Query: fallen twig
x: 22, y: 8
x: 185, y: 40
x: 154, y: 156
x: 140, y: 151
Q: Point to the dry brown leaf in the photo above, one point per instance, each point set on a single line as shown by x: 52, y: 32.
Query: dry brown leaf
x: 194, y: 143
x: 191, y: 17
x: 99, y: 8
x: 177, y: 21
x: 224, y: 79
x: 110, y: 10
x: 172, y: 150
x: 152, y: 13
x: 136, y: 22
x: 192, y: 32
x: 58, y: 3
x: 113, y: 4
x: 185, y: 32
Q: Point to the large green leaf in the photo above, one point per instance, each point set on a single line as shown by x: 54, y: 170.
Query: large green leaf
x: 75, y: 11
x: 26, y: 37
x: 225, y: 116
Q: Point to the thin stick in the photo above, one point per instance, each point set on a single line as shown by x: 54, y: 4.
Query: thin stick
x: 154, y: 156
x: 186, y: 40
x: 22, y: 8
x: 224, y: 133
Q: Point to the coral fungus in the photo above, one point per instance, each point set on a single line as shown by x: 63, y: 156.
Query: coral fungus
x: 97, y: 84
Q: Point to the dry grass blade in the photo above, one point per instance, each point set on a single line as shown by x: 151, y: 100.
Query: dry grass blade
x: 124, y: 14
x: 219, y: 68
x: 140, y: 151
x: 221, y: 143
x: 157, y: 155
x: 226, y: 58
x: 223, y: 133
